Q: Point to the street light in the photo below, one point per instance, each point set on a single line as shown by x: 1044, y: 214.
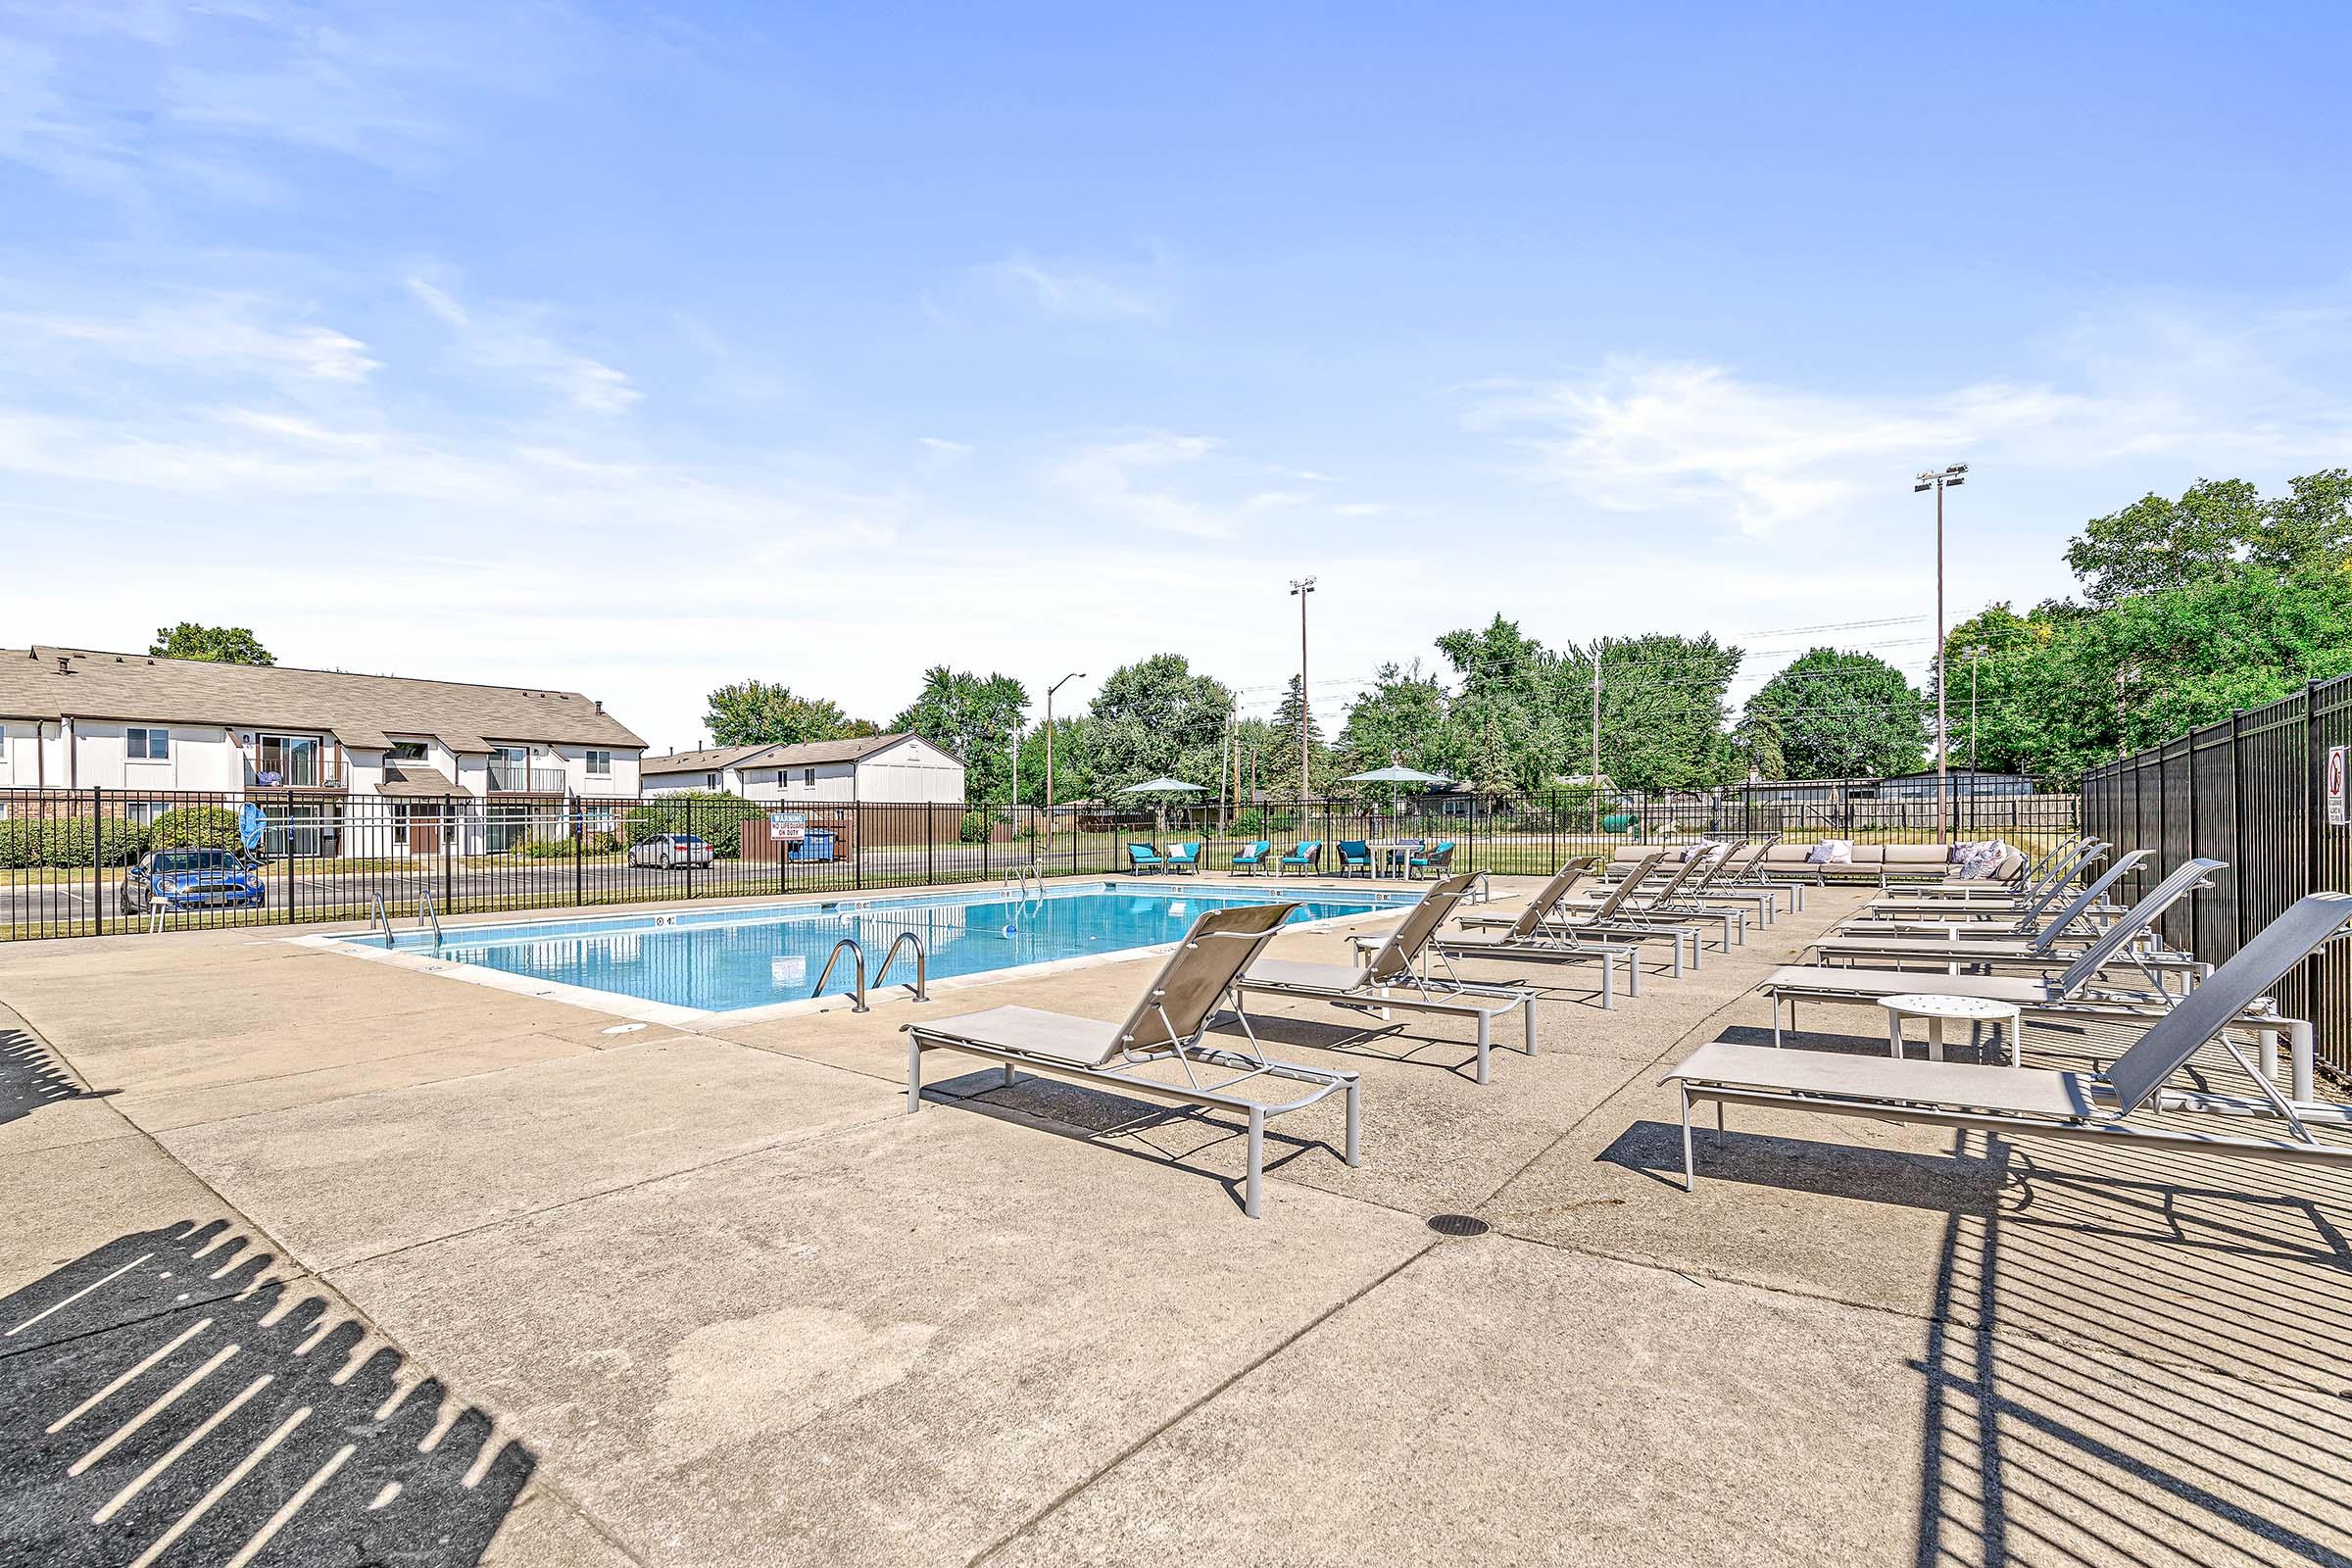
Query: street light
x: 1940, y: 481
x: 1300, y: 587
x: 1076, y: 675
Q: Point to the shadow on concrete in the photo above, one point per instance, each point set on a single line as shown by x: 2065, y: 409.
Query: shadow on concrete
x: 29, y: 1077
x: 162, y: 1400
x: 1952, y: 1183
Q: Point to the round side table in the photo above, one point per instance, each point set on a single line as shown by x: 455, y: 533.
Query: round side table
x: 1938, y: 1011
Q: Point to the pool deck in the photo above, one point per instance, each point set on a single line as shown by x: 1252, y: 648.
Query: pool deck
x: 730, y: 1305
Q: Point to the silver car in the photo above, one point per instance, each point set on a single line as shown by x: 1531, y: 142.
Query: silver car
x: 669, y: 851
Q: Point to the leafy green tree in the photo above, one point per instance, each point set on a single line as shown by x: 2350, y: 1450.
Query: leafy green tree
x: 1399, y: 721
x: 759, y: 713
x: 212, y: 645
x: 2157, y: 543
x: 1504, y: 728
x: 1663, y: 705
x: 973, y: 717
x: 1157, y: 717
x: 1843, y: 715
x: 2310, y: 525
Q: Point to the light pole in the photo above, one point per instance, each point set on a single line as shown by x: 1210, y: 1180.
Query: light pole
x: 1940, y: 480
x: 1299, y: 588
x: 1076, y: 675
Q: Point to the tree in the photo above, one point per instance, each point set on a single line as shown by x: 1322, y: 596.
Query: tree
x: 759, y: 713
x: 1663, y: 705
x: 1157, y: 717
x: 1399, y: 721
x: 1503, y: 731
x: 2310, y: 525
x: 211, y: 645
x: 2155, y: 545
x: 973, y: 717
x: 1282, y: 762
x: 1843, y: 715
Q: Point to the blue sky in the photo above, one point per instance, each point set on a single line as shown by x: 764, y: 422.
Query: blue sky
x: 563, y: 346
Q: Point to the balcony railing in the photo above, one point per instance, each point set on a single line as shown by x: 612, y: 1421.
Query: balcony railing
x: 512, y: 778
x: 271, y: 768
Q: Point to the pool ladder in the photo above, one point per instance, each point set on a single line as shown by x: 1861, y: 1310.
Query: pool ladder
x: 922, y: 968
x: 1021, y: 878
x: 426, y: 916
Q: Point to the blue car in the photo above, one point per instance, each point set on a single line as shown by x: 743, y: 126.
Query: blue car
x: 190, y: 879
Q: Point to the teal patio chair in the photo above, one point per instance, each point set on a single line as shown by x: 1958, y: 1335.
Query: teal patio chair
x: 1355, y: 856
x: 1184, y: 858
x: 1142, y: 858
x: 1252, y: 856
x: 1308, y: 857
x: 1437, y: 858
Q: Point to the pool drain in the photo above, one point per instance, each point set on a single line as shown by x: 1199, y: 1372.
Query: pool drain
x: 1457, y: 1225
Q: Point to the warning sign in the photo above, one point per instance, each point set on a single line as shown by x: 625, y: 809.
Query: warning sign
x: 787, y: 827
x: 2336, y: 785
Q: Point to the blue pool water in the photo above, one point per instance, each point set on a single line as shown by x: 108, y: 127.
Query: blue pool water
x: 724, y: 959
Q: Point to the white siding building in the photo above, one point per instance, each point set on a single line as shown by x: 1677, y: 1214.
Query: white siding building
x: 306, y: 742
x: 895, y: 769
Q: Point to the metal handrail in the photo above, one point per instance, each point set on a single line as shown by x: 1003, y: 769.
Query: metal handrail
x: 426, y: 915
x: 1020, y: 877
x: 377, y: 916
x: 922, y: 965
x: 834, y: 957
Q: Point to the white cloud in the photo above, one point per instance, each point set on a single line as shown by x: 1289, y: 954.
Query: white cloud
x: 507, y: 339
x: 940, y: 452
x: 1077, y: 294
x: 209, y: 333
x: 1103, y: 479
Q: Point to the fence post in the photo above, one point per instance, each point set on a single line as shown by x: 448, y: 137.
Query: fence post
x: 930, y: 843
x: 579, y: 845
x: 97, y: 854
x: 2238, y: 844
x: 448, y: 830
x: 690, y: 833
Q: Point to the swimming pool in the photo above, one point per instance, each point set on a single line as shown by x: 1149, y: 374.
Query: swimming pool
x: 727, y: 961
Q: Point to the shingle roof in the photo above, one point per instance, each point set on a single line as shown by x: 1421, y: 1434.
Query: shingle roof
x: 361, y: 711
x: 414, y: 778
x: 805, y: 753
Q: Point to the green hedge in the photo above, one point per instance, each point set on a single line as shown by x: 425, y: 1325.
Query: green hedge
x: 561, y: 848
x: 712, y: 814
x: 66, y: 841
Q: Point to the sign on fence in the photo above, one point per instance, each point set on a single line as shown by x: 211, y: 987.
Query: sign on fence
x: 787, y: 827
x: 2336, y: 785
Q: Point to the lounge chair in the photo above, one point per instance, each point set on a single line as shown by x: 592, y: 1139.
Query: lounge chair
x: 1355, y: 856
x: 1564, y: 921
x: 2124, y: 938
x: 1142, y: 858
x: 2080, y: 992
x: 1524, y: 936
x: 2059, y: 874
x: 1633, y: 904
x: 1250, y: 857
x: 1184, y: 856
x: 2083, y: 918
x: 1308, y: 857
x: 1385, y: 975
x: 2042, y: 1102
x: 1437, y: 860
x: 1168, y: 1024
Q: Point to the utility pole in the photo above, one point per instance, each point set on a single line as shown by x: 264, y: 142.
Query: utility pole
x: 1592, y: 781
x: 1050, y: 691
x: 1300, y: 587
x: 1940, y: 480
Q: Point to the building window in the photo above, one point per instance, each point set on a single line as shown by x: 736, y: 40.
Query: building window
x: 150, y: 744
x: 406, y: 752
x: 142, y: 813
x: 287, y: 759
x: 600, y: 765
x: 710, y: 781
x: 808, y: 778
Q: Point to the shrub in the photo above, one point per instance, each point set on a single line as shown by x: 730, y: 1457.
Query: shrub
x: 195, y: 827
x: 66, y: 841
x: 976, y: 826
x: 710, y: 815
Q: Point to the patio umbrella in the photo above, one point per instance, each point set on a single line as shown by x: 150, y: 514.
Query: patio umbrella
x: 1154, y: 786
x: 1395, y: 775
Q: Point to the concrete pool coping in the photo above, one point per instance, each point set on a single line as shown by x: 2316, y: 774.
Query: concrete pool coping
x: 642, y: 1010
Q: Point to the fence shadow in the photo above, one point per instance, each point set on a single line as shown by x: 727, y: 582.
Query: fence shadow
x: 29, y: 1077
x: 162, y: 1401
x: 2128, y: 1364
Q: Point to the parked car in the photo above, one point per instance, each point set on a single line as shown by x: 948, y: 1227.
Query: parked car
x: 190, y: 879
x: 669, y: 851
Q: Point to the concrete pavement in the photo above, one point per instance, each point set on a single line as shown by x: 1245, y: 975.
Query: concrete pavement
x: 723, y: 1301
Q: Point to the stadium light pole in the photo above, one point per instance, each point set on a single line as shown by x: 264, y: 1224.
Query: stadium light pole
x: 1300, y: 587
x: 1940, y: 481
x: 1974, y: 654
x: 1076, y: 675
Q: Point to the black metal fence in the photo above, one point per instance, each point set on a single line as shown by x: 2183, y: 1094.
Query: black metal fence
x: 98, y: 861
x: 2251, y: 791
